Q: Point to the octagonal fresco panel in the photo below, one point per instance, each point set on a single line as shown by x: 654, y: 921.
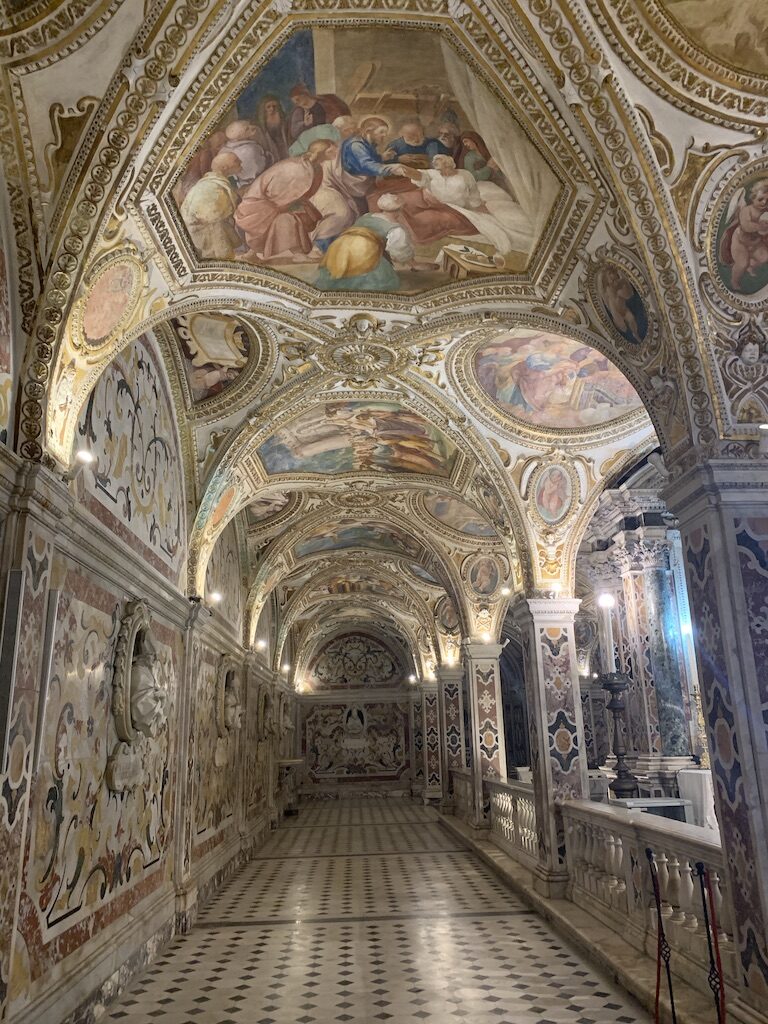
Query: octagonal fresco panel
x: 458, y: 515
x: 733, y: 33
x: 368, y: 159
x: 357, y: 535
x: 345, y: 437
x: 550, y: 381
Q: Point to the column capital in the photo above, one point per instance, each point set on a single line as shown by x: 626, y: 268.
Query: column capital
x: 543, y: 610
x: 476, y: 651
x: 450, y: 673
x: 741, y: 484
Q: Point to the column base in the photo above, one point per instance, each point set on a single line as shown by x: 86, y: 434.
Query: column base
x: 185, y: 909
x: 659, y: 771
x: 551, y: 884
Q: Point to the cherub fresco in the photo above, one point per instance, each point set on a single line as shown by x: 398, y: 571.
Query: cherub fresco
x: 743, y: 241
x: 333, y: 168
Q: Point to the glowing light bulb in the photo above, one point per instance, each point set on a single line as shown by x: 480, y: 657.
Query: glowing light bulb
x: 216, y: 597
x: 85, y: 457
x: 486, y: 638
x: 505, y: 591
x: 285, y: 669
x: 261, y: 645
x: 686, y: 629
x: 606, y: 600
x: 411, y: 678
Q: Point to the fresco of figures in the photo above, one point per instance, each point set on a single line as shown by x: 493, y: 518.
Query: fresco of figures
x: 264, y: 509
x: 552, y: 494
x: 734, y: 33
x: 346, y: 437
x: 550, y: 381
x: 357, y: 535
x: 621, y: 304
x: 367, y: 160
x: 742, y: 237
x: 458, y: 515
x: 214, y: 350
x: 360, y: 740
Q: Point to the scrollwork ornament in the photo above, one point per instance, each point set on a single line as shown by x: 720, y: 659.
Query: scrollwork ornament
x: 136, y: 618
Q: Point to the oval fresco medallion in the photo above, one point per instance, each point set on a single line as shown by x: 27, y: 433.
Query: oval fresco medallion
x: 483, y: 575
x: 619, y: 304
x: 740, y: 244
x: 457, y: 514
x: 553, y: 494
x: 110, y: 301
x: 447, y: 618
x: 550, y: 381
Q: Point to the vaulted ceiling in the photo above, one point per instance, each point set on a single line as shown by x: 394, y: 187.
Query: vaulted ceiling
x: 425, y: 275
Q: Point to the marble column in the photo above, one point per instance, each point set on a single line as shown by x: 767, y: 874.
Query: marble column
x: 489, y: 759
x: 450, y: 678
x: 723, y: 513
x: 40, y: 503
x: 657, y: 705
x: 558, y: 757
x: 430, y: 718
x: 417, y: 746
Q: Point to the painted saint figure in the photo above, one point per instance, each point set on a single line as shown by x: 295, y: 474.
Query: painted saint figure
x: 744, y: 246
x: 209, y: 207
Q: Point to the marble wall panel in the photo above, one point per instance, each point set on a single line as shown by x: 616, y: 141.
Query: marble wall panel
x: 355, y: 742
x: 135, y: 487
x: 91, y: 853
x: 215, y: 784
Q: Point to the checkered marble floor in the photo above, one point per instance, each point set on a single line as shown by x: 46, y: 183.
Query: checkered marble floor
x: 364, y: 911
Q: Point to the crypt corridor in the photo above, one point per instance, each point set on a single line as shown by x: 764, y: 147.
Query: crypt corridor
x: 383, y: 434
x: 361, y: 911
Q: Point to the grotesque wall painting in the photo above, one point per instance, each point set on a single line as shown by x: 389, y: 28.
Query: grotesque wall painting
x: 214, y: 349
x: 550, y: 381
x: 354, y: 660
x: 553, y: 491
x: 367, y: 159
x: 458, y: 514
x: 135, y: 483
x: 742, y: 237
x: 357, y: 535
x: 736, y: 34
x: 356, y: 741
x: 344, y: 437
x: 224, y: 575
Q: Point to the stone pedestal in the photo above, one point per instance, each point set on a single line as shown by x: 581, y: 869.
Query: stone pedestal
x: 558, y: 757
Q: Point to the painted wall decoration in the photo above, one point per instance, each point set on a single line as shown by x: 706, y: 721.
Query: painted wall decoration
x: 620, y: 304
x: 354, y: 535
x: 734, y: 34
x: 135, y: 485
x: 6, y: 358
x: 458, y: 515
x: 224, y: 574
x: 263, y: 509
x: 550, y: 381
x: 741, y: 238
x: 214, y: 348
x: 345, y: 742
x: 345, y: 437
x: 215, y: 786
x: 447, y: 618
x: 553, y: 494
x: 368, y: 159
x: 354, y: 660
x: 109, y: 302
x: 483, y: 575
x: 88, y: 847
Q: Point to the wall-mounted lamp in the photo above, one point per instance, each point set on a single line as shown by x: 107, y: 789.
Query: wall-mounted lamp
x: 83, y: 458
x: 261, y: 645
x: 505, y: 591
x: 216, y: 597
x: 485, y: 637
x: 285, y: 669
x: 411, y: 678
x: 606, y: 600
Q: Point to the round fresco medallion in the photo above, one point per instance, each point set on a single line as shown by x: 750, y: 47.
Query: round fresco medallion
x: 447, y: 618
x: 553, y: 494
x: 484, y: 575
x: 458, y: 515
x: 110, y: 301
x: 741, y: 237
x: 619, y: 303
x: 546, y: 380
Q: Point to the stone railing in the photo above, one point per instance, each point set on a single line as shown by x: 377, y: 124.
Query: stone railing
x: 463, y: 795
x: 513, y: 820
x: 610, y: 878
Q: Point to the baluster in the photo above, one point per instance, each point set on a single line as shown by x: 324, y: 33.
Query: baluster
x: 621, y: 871
x: 689, y: 896
x: 677, y: 915
x: 663, y: 874
x: 611, y: 881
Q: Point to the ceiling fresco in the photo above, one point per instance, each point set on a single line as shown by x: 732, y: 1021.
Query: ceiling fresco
x: 357, y: 535
x: 264, y: 509
x: 550, y: 381
x: 458, y: 515
x: 344, y: 437
x: 734, y: 33
x: 367, y: 160
x: 215, y: 350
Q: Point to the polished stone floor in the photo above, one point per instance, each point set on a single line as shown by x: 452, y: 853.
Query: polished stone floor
x: 367, y: 911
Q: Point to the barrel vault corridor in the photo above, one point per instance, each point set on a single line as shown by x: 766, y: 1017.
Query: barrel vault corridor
x: 361, y: 911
